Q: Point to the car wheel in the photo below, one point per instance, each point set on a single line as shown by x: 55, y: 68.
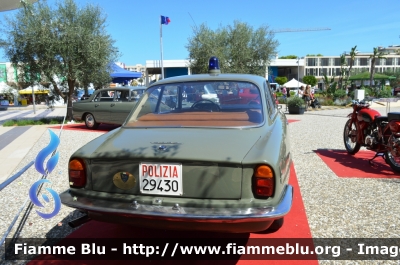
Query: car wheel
x: 90, y: 122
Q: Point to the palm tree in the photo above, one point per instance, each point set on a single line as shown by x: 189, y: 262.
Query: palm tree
x: 342, y: 65
x: 376, y: 55
x: 353, y: 54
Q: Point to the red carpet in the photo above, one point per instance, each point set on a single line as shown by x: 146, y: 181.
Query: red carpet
x: 356, y: 166
x: 82, y: 127
x: 295, y: 226
x: 290, y: 121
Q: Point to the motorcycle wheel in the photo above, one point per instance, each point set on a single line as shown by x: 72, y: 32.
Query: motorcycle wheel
x: 350, y: 138
x: 393, y: 161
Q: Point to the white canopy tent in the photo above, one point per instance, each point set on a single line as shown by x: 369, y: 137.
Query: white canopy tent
x: 294, y: 83
x: 6, y: 89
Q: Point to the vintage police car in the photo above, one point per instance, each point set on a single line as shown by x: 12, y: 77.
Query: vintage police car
x: 179, y: 164
x: 109, y: 105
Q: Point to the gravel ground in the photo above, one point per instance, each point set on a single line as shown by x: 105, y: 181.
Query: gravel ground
x: 336, y: 207
x: 35, y: 226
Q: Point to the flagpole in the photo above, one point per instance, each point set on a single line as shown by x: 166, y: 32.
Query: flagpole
x: 162, y: 64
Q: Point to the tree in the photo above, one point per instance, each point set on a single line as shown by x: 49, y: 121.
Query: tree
x: 289, y: 57
x: 330, y: 85
x: 393, y: 82
x: 281, y: 80
x: 375, y: 55
x: 62, y: 45
x: 353, y: 54
x: 343, y: 63
x: 310, y: 80
x: 240, y: 49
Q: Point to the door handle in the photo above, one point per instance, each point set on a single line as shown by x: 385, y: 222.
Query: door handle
x: 96, y: 105
x: 113, y: 104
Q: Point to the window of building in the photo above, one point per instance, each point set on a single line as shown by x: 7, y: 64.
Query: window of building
x: 312, y: 61
x: 348, y: 61
x: 323, y: 71
x: 336, y: 71
x: 324, y: 61
x: 363, y: 61
x: 389, y: 61
x: 337, y: 62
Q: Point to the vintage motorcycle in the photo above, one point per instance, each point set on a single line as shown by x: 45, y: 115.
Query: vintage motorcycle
x: 366, y: 127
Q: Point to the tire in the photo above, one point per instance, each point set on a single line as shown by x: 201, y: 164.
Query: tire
x: 90, y: 122
x: 394, y: 162
x: 350, y: 138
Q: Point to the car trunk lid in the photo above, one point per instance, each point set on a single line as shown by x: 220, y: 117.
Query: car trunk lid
x: 209, y: 160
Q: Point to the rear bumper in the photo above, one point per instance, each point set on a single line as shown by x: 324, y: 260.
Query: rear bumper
x: 183, y: 218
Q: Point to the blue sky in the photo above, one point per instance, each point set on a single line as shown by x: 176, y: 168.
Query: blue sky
x: 135, y: 25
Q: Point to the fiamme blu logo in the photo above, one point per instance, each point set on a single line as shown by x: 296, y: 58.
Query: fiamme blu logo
x: 46, y: 170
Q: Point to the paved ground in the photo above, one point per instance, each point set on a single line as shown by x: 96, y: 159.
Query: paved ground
x: 335, y: 207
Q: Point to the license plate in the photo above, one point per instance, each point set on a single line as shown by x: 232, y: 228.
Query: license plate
x: 161, y: 179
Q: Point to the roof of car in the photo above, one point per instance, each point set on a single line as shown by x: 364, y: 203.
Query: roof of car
x: 205, y: 77
x: 125, y: 87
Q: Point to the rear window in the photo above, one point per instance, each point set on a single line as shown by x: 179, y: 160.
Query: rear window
x: 199, y: 104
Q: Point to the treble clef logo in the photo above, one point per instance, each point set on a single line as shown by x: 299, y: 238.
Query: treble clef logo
x: 50, y: 165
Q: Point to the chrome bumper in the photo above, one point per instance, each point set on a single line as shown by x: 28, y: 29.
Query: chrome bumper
x: 178, y: 213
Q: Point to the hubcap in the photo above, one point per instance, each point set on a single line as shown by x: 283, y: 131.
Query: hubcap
x: 90, y: 120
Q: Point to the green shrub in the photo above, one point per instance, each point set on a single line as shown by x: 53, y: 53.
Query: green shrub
x: 282, y: 100
x: 25, y: 122
x: 279, y: 94
x: 292, y: 93
x: 9, y: 123
x: 340, y: 93
x: 326, y: 101
x: 351, y: 94
x: 295, y: 102
x: 386, y: 92
x: 54, y: 122
x: 32, y: 122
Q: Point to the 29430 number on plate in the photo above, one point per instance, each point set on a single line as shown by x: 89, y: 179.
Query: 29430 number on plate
x: 161, y: 179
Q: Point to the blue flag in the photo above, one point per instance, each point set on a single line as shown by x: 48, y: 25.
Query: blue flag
x: 165, y: 20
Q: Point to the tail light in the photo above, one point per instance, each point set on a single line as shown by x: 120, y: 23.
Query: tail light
x: 394, y: 126
x: 264, y: 181
x: 77, y: 173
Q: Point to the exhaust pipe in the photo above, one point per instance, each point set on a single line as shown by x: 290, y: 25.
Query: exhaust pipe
x: 79, y: 221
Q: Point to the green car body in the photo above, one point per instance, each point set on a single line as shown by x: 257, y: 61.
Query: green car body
x: 193, y: 165
x: 109, y: 105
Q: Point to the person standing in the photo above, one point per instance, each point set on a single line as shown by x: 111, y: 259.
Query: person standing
x: 300, y: 92
x: 284, y: 93
x: 307, y: 96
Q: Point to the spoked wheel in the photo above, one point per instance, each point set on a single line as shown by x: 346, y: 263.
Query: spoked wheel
x: 392, y: 156
x: 350, y: 138
x: 393, y: 161
x: 90, y: 122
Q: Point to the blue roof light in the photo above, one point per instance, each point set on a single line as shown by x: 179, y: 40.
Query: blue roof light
x: 213, y: 66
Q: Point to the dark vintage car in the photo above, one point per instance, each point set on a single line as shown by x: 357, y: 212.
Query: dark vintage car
x: 110, y: 105
x: 177, y: 164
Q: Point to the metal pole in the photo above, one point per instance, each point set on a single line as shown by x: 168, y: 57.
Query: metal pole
x: 162, y: 65
x: 298, y: 72
x: 33, y: 101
